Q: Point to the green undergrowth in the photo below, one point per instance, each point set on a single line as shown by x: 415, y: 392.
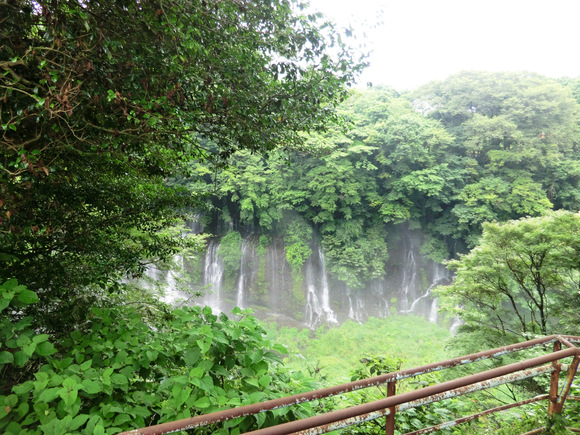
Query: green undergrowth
x: 122, y: 371
x: 335, y: 352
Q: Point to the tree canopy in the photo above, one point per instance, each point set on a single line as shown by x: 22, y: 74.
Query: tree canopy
x: 102, y: 101
x: 476, y: 154
x: 522, y: 280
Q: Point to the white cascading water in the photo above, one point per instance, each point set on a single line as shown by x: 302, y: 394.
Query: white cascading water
x: 355, y: 307
x: 439, y: 276
x: 329, y: 314
x: 384, y: 310
x: 313, y: 309
x: 171, y: 293
x: 241, y: 278
x: 434, y: 311
x: 409, y: 283
x: 318, y: 297
x: 212, y: 276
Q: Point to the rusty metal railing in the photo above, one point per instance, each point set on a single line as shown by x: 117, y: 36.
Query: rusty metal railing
x: 549, y: 363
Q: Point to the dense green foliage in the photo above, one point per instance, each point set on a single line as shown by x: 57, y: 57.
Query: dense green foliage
x: 116, y: 372
x: 487, y: 146
x: 101, y: 102
x: 521, y: 281
x: 117, y: 118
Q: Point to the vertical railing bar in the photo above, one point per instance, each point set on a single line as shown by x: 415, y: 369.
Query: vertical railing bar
x: 572, y: 369
x: 554, y: 382
x: 564, y: 341
x: 390, y: 418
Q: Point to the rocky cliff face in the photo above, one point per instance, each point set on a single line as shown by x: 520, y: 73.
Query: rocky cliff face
x: 264, y: 281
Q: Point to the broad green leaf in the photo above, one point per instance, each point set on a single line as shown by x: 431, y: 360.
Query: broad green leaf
x: 265, y: 380
x: 23, y: 388
x: 202, y: 403
x: 119, y: 380
x: 20, y: 358
x: 91, y: 386
x: 27, y: 297
x: 192, y: 356
x: 78, y: 421
x: 40, y: 338
x: 49, y: 394
x: 6, y: 357
x: 45, y: 349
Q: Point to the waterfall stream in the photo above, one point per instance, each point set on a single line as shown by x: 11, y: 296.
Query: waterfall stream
x: 242, y: 278
x: 318, y: 294
x: 266, y: 283
x: 440, y: 276
x: 212, y: 277
x: 409, y: 283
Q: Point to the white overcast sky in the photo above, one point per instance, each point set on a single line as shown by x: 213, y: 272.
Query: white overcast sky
x: 423, y: 40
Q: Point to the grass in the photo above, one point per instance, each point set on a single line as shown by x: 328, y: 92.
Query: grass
x: 334, y: 353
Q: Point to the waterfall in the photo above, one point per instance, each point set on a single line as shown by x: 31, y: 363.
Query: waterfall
x: 276, y: 271
x: 409, y: 283
x: 440, y: 275
x: 241, y: 279
x: 355, y: 307
x: 434, y: 311
x: 212, y: 276
x: 171, y: 293
x: 329, y: 314
x: 416, y: 301
x: 313, y: 309
x: 266, y: 282
x: 317, y: 292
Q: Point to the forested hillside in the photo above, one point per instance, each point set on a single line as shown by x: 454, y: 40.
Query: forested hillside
x: 477, y: 147
x: 218, y: 147
x: 379, y: 202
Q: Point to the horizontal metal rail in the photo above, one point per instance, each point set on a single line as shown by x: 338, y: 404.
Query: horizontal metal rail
x: 462, y: 420
x: 354, y: 412
x: 525, y: 374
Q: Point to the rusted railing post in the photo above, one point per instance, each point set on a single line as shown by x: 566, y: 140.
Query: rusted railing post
x: 572, y: 369
x: 554, y: 382
x: 390, y: 419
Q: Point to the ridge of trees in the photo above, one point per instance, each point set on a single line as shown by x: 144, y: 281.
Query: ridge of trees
x: 475, y: 148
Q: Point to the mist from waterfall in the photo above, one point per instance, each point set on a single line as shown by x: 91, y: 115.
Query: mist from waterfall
x: 213, y: 273
x: 265, y: 282
x: 317, y: 308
